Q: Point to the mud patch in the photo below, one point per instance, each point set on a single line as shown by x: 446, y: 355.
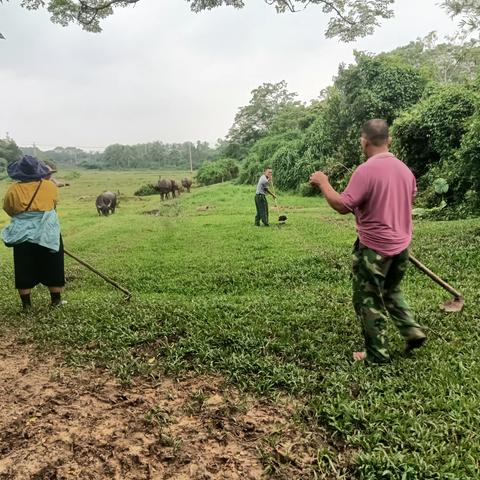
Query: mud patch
x: 57, y: 423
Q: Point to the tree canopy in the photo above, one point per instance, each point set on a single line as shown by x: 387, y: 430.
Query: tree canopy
x: 348, y: 19
x: 253, y: 121
x: 9, y: 152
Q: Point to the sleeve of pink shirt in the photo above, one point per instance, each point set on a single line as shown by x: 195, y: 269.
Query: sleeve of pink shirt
x: 357, y: 190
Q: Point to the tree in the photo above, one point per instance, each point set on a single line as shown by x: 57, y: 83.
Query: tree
x: 455, y: 60
x: 9, y: 152
x: 253, y: 121
x: 349, y: 19
x: 467, y: 10
x: 431, y: 131
x: 86, y: 13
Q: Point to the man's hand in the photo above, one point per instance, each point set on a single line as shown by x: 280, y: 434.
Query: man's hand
x: 334, y: 199
x: 318, y: 179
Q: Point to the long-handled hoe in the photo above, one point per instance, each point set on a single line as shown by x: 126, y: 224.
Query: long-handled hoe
x: 456, y: 303
x: 100, y: 274
x: 281, y: 218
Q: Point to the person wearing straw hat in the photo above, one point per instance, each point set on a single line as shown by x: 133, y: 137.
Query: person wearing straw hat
x: 34, y: 230
x: 261, y: 203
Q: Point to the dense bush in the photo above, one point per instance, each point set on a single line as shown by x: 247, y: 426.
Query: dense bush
x: 468, y: 156
x: 379, y: 87
x: 145, y: 190
x: 432, y: 130
x: 261, y: 155
x: 216, y: 172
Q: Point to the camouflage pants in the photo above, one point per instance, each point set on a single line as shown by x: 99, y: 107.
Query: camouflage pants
x: 376, y: 292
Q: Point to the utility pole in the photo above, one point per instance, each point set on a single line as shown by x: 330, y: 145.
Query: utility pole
x: 190, y: 154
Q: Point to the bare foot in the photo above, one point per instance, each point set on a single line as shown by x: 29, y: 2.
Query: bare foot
x: 359, y: 356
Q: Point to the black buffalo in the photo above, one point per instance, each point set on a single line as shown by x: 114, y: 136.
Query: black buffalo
x: 164, y: 187
x: 106, y: 203
x: 187, y: 184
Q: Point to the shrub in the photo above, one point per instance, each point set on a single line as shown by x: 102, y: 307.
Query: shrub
x: 468, y: 157
x: 145, y: 190
x: 432, y: 130
x: 218, y: 171
x: 261, y: 154
x: 306, y: 190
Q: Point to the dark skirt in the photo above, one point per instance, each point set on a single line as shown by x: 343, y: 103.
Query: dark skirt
x: 35, y: 264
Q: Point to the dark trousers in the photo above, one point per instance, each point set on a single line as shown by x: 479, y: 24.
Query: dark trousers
x: 34, y: 264
x: 262, y: 209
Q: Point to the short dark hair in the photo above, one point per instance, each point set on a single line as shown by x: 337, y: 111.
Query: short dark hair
x: 376, y: 131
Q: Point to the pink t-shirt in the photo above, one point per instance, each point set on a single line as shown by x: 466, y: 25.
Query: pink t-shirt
x: 380, y: 194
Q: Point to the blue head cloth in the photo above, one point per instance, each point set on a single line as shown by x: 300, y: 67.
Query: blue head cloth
x: 28, y: 169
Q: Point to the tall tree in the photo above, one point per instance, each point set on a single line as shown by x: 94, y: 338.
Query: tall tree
x: 9, y: 152
x: 455, y: 60
x: 468, y: 11
x: 252, y: 121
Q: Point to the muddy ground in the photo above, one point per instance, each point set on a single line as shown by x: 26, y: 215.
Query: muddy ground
x: 60, y: 423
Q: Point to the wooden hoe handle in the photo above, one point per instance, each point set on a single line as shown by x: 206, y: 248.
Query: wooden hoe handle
x: 434, y: 277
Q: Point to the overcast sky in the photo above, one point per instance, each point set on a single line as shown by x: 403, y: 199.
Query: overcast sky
x: 160, y: 72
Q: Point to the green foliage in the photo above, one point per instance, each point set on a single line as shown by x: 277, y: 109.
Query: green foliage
x: 145, y: 190
x: 215, y: 172
x: 440, y: 185
x: 454, y: 61
x: 261, y: 155
x: 306, y: 190
x: 468, y: 11
x: 9, y: 152
x: 327, y: 133
x: 69, y: 156
x: 348, y: 19
x: 157, y: 155
x: 254, y: 120
x: 379, y: 87
x: 432, y: 130
x: 469, y: 157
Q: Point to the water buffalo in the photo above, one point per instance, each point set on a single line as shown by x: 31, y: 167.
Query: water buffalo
x: 187, y: 183
x: 163, y: 187
x: 106, y: 203
x: 174, y: 188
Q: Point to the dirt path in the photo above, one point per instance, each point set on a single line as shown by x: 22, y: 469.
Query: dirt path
x: 56, y: 423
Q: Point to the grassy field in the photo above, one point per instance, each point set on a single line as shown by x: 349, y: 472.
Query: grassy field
x: 270, y: 310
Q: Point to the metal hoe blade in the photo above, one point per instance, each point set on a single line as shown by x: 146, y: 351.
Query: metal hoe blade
x: 451, y: 306
x: 454, y: 305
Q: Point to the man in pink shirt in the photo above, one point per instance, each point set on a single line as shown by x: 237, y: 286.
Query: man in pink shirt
x: 380, y: 195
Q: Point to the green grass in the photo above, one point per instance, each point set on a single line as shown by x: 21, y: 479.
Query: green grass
x: 270, y: 309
